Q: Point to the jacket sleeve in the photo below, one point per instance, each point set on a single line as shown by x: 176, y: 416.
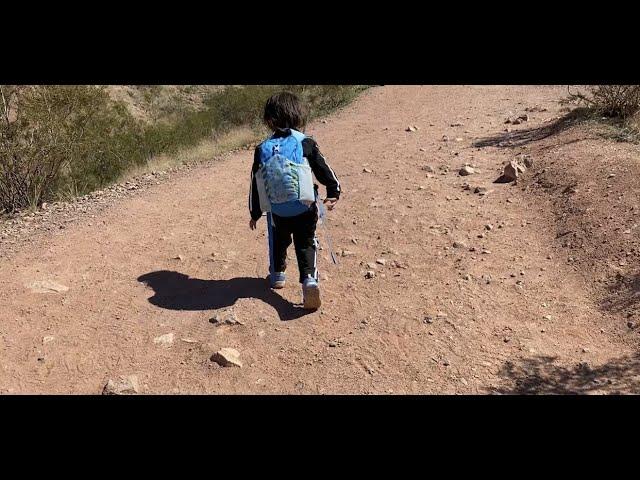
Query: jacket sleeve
x: 254, y: 199
x: 321, y: 169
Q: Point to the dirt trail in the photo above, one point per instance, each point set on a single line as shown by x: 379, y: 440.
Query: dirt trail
x: 492, y: 315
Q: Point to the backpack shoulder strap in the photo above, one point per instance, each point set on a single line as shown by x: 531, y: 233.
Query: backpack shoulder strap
x: 298, y: 135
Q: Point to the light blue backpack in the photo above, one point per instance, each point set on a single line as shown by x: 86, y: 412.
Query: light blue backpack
x: 284, y: 180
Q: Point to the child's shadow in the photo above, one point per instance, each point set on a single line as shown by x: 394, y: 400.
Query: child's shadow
x: 176, y: 291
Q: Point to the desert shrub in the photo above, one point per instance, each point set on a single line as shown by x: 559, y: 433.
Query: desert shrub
x: 610, y: 100
x: 52, y: 135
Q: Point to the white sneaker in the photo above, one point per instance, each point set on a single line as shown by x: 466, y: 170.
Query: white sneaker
x: 311, y: 294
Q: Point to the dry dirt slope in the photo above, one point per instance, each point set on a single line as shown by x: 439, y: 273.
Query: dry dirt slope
x: 500, y: 312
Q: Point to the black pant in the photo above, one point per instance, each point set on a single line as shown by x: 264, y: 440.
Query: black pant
x: 303, y: 229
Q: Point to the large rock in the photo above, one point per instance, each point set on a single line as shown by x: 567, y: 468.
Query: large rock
x: 123, y: 386
x: 227, y: 357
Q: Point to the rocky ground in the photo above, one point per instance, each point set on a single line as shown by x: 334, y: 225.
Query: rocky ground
x: 447, y: 281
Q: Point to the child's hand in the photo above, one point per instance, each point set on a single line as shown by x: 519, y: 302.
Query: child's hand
x: 252, y: 224
x: 331, y: 202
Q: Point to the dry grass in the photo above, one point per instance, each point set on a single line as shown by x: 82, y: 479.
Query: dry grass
x: 205, y: 151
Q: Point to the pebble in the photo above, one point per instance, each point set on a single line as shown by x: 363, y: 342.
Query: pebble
x: 466, y: 170
x: 123, y: 386
x: 165, y: 340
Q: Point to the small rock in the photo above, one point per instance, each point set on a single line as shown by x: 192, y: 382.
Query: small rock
x: 346, y: 253
x: 488, y: 226
x: 528, y: 161
x: 371, y: 265
x: 370, y: 274
x: 466, y: 170
x: 631, y: 325
x: 189, y: 340
x: 428, y: 319
x: 232, y: 320
x: 411, y: 128
x: 445, y: 138
x: 381, y: 261
x: 227, y: 357
x: 429, y: 169
x: 446, y: 363
x: 47, y: 339
x: 333, y: 344
x: 123, y: 386
x: 467, y: 277
x: 367, y: 170
x: 458, y: 244
x: 510, y: 172
x: 457, y: 124
x: 178, y: 257
x: 547, y: 317
x: 165, y: 340
x: 46, y: 286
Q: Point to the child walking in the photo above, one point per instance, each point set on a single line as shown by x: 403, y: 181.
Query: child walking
x: 282, y: 186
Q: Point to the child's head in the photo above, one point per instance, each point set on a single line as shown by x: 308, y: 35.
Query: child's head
x: 284, y: 110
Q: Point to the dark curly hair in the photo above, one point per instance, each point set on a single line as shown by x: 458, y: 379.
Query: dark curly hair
x: 285, y: 110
